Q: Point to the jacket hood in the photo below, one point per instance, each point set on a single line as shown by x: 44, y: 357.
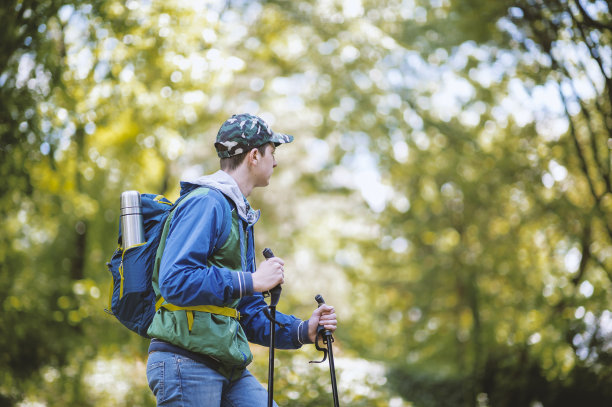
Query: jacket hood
x: 224, y: 183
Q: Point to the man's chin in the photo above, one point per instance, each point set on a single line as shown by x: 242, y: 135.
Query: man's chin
x: 263, y: 184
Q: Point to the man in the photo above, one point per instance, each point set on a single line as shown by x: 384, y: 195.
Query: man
x: 199, y: 351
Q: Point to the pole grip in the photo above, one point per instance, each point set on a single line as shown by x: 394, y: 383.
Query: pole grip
x: 319, y: 299
x: 276, y: 291
x: 268, y: 253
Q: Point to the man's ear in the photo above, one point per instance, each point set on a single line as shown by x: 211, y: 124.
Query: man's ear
x: 253, y: 156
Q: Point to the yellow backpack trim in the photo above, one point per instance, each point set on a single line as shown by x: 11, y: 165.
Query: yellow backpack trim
x: 159, y: 198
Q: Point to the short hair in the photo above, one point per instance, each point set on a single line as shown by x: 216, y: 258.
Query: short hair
x: 233, y: 162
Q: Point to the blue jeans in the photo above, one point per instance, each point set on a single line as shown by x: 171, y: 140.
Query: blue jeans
x: 178, y: 381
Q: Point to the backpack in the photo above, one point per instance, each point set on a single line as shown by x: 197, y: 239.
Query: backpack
x: 132, y: 299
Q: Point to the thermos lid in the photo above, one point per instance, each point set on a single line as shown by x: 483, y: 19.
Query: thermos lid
x: 130, y: 199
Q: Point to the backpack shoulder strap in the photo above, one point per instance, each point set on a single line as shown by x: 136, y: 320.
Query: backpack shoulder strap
x: 227, y: 222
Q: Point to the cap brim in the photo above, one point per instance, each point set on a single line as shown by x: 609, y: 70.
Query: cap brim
x: 280, y: 138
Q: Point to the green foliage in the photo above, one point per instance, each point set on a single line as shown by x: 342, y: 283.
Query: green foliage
x: 431, y: 389
x: 448, y: 190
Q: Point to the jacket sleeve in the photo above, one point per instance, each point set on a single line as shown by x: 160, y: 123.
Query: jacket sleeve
x: 256, y: 325
x: 184, y: 277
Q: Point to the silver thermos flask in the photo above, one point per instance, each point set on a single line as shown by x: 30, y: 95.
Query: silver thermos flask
x: 132, y: 228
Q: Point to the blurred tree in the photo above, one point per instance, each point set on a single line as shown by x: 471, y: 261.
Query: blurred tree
x: 494, y: 257
x: 35, y: 300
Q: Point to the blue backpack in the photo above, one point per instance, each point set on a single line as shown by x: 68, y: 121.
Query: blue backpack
x: 132, y: 299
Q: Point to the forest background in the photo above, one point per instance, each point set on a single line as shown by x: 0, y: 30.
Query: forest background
x: 449, y: 189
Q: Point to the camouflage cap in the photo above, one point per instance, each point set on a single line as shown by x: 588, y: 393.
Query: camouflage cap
x: 242, y: 132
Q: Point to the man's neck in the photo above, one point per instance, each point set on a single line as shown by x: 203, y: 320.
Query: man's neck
x: 240, y: 175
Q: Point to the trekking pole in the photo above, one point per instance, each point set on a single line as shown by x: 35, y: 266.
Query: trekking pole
x: 327, y: 337
x: 270, y: 312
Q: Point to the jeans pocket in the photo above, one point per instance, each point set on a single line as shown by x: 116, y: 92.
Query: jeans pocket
x: 155, y: 377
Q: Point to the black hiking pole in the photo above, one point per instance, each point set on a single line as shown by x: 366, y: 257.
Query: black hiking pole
x: 270, y: 312
x: 327, y: 337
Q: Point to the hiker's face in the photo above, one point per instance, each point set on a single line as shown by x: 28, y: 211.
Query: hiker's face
x: 265, y: 166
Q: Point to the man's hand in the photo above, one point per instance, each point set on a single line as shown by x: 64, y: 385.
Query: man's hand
x: 269, y: 274
x: 324, y: 315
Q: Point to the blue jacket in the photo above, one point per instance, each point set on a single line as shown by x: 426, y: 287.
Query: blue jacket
x: 209, y: 258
